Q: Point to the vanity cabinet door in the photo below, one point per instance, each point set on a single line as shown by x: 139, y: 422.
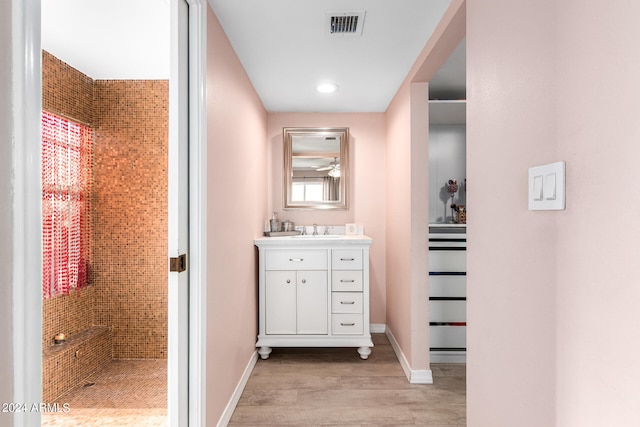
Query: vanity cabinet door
x: 312, y: 304
x: 280, y: 304
x: 296, y: 302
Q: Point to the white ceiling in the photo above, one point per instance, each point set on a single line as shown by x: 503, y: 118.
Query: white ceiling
x: 283, y: 45
x: 109, y: 39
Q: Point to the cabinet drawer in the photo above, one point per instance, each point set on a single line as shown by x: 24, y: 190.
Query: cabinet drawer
x: 448, y: 336
x: 346, y: 259
x: 455, y: 261
x: 447, y: 286
x: 346, y: 280
x: 299, y: 259
x: 346, y: 302
x: 447, y: 311
x: 347, y: 324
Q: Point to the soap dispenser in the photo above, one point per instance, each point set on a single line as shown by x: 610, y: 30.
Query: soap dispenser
x: 275, y: 224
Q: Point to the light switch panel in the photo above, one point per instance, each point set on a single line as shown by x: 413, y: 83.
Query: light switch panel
x: 547, y: 187
x: 550, y: 187
x: 537, y: 187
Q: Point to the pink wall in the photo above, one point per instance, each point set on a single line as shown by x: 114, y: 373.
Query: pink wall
x: 398, y: 226
x: 552, y: 296
x: 597, y: 286
x: 237, y: 201
x: 408, y: 211
x: 511, y: 263
x: 407, y: 222
x: 367, y: 197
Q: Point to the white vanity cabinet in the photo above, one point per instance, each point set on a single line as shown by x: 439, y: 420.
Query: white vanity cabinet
x: 314, y: 292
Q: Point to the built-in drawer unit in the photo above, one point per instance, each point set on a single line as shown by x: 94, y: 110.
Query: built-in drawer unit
x: 441, y: 286
x: 447, y: 293
x: 447, y: 311
x: 303, y: 259
x: 347, y: 324
x: 444, y: 261
x: 346, y: 302
x: 448, y: 337
x: 346, y: 259
x: 346, y: 280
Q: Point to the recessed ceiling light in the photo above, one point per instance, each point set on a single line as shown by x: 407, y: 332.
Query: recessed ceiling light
x: 327, y: 87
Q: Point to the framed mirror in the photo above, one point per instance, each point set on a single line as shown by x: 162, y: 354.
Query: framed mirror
x: 316, y: 168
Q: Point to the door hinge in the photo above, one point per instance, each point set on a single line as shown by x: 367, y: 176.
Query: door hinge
x: 178, y: 264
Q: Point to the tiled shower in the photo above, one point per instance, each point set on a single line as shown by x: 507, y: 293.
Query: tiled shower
x: 122, y: 314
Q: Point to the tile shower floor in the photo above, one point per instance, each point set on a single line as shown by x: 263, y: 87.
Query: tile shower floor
x: 124, y: 393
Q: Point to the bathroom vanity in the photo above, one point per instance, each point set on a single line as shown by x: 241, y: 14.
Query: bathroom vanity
x: 314, y: 292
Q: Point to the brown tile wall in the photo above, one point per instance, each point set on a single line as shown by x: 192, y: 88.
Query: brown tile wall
x: 69, y: 93
x: 129, y: 200
x: 68, y: 314
x: 129, y: 284
x: 66, y: 91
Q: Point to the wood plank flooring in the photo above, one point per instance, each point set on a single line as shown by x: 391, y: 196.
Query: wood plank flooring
x: 333, y: 386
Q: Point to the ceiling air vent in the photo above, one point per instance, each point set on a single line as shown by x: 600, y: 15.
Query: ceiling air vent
x: 348, y: 23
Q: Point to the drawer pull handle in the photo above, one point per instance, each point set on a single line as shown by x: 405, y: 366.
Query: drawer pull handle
x: 346, y: 281
x: 304, y: 280
x: 347, y: 302
x: 288, y: 280
x: 347, y: 259
x: 296, y: 259
x: 347, y: 324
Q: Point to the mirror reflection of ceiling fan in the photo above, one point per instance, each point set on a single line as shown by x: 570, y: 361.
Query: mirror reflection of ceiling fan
x: 333, y: 168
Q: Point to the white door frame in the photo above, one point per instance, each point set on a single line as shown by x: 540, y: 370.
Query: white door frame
x: 197, y: 221
x: 197, y: 211
x: 27, y: 246
x: 26, y: 291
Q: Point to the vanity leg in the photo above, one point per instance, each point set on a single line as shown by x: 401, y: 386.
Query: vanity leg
x: 364, y: 352
x: 264, y: 352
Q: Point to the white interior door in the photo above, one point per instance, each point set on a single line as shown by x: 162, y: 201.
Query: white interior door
x: 178, y: 353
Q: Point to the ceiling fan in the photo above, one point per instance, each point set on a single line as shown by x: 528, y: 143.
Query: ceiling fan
x: 333, y: 168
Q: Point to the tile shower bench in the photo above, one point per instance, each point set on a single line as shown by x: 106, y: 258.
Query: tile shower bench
x: 67, y: 365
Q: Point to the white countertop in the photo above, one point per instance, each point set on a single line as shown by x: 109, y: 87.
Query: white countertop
x: 310, y: 240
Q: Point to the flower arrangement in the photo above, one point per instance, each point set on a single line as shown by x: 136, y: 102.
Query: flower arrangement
x: 458, y: 212
x: 452, y: 187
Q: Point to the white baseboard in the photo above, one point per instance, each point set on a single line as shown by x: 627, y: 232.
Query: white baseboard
x: 415, y: 376
x: 377, y: 328
x: 235, y: 397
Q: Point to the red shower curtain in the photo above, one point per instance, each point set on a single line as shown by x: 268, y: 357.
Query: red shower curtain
x: 66, y: 205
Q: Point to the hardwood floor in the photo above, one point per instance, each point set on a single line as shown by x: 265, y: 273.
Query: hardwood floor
x: 333, y: 386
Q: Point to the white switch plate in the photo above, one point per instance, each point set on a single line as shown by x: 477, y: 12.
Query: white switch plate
x: 547, y: 187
